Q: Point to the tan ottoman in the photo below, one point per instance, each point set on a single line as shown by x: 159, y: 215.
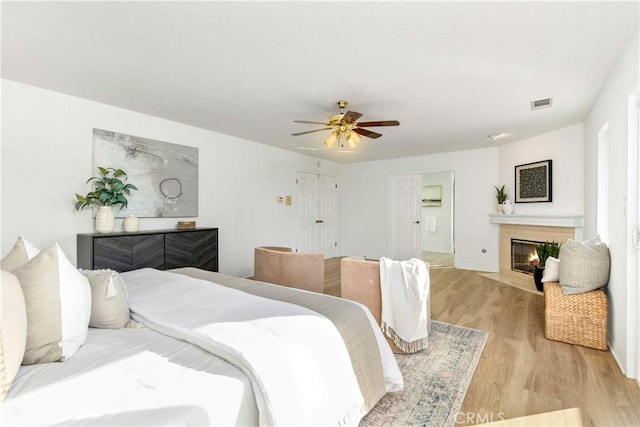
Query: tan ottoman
x: 575, y: 319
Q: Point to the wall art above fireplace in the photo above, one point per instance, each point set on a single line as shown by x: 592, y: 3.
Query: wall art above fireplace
x: 533, y: 182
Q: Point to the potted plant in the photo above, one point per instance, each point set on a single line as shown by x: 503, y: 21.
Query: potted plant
x: 501, y: 196
x: 544, y: 251
x: 110, y: 189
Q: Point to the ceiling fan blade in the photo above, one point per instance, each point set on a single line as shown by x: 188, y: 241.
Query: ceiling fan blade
x: 367, y: 133
x: 308, y: 121
x: 309, y: 131
x: 379, y: 123
x: 350, y: 117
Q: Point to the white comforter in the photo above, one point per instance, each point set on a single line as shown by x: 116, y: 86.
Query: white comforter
x: 300, y: 371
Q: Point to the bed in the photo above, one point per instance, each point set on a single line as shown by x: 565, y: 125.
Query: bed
x: 205, y: 348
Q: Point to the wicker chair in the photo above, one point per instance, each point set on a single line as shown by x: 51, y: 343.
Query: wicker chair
x: 575, y: 319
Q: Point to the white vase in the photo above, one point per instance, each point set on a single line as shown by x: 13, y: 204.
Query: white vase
x: 507, y: 207
x: 131, y: 224
x: 500, y: 211
x: 105, y: 219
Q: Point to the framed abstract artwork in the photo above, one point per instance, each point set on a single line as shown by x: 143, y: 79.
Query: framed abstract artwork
x: 166, y: 174
x: 533, y: 182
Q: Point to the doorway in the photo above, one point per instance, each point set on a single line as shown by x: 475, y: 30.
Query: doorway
x: 422, y: 217
x: 438, y: 218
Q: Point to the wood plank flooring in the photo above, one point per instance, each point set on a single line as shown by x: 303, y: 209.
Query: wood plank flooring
x: 522, y: 373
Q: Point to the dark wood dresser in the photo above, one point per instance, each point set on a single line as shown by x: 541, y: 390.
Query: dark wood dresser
x: 161, y: 249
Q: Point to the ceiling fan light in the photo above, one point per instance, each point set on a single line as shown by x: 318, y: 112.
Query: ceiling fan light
x: 353, y: 140
x: 331, y: 140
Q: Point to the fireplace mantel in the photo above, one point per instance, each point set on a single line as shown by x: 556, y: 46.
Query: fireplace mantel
x: 574, y: 221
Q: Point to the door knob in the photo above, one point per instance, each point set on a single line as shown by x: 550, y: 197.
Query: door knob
x: 319, y: 221
x: 416, y: 222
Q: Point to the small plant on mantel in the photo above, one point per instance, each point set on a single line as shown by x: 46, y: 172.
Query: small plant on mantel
x: 501, y: 195
x: 110, y: 189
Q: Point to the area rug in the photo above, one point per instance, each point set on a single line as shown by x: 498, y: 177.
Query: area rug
x: 435, y: 380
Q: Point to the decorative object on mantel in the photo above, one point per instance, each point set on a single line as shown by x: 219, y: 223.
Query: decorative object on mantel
x: 186, y: 225
x: 110, y: 189
x: 544, y: 251
x: 507, y: 207
x: 533, y: 182
x: 501, y: 196
x: 131, y: 224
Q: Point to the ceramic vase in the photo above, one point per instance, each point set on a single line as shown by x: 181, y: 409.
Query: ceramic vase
x: 105, y: 219
x: 131, y: 224
x: 500, y: 211
x: 507, y: 207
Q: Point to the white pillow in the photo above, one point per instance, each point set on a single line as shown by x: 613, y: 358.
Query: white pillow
x: 58, y: 301
x: 551, y: 270
x: 109, y: 303
x: 584, y: 266
x: 21, y: 252
x: 13, y: 330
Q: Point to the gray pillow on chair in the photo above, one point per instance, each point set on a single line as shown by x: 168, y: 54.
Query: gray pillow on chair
x: 584, y: 266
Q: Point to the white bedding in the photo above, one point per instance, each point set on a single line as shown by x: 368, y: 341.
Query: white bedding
x: 143, y: 377
x: 131, y: 377
x: 300, y: 370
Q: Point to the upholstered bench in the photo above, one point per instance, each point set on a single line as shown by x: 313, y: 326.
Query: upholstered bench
x: 575, y: 319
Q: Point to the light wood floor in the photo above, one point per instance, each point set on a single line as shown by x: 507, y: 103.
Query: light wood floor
x: 521, y: 372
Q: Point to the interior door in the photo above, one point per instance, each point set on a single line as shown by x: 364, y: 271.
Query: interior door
x: 326, y: 215
x: 406, y: 191
x: 316, y: 213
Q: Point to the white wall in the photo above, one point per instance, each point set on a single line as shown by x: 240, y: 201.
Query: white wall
x: 611, y: 106
x: 565, y: 148
x: 440, y: 240
x: 365, y: 201
x: 47, y: 157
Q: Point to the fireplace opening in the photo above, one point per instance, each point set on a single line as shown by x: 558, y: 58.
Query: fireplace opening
x: 523, y: 255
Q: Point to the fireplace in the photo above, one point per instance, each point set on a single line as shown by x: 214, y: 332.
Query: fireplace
x: 523, y: 255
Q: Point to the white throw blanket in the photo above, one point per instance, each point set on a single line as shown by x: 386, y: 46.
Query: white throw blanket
x: 404, y: 286
x: 295, y: 358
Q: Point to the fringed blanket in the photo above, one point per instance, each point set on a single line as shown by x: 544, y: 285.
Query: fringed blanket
x: 404, y: 286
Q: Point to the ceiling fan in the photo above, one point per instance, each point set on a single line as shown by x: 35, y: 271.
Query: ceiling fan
x: 345, y: 128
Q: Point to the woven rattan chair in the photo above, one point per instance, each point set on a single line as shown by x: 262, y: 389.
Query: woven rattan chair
x: 575, y: 319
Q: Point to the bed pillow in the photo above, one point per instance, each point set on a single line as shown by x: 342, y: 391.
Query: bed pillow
x: 551, y: 270
x: 584, y: 266
x: 58, y: 301
x: 21, y: 252
x: 13, y: 330
x: 109, y: 304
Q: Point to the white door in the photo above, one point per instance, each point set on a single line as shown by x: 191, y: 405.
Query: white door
x: 326, y: 215
x: 316, y: 213
x: 405, y: 216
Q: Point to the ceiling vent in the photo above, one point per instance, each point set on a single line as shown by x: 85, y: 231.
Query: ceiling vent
x: 541, y: 103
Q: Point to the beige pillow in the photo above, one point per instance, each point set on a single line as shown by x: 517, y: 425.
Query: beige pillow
x: 109, y: 305
x: 13, y: 330
x: 584, y: 266
x: 551, y: 270
x: 58, y: 301
x: 21, y: 252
